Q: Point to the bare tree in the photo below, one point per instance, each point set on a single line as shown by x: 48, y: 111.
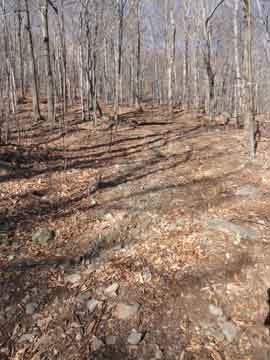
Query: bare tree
x: 250, y: 123
x: 171, y: 59
x: 44, y: 4
x: 238, y: 83
x: 138, y: 56
x: 121, y: 5
x: 35, y: 94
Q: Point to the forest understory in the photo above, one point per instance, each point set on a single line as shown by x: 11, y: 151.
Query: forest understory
x: 149, y: 240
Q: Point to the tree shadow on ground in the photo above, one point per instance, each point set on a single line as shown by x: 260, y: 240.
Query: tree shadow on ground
x: 98, y: 160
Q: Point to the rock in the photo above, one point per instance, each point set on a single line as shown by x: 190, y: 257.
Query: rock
x: 108, y: 217
x: 215, y: 333
x: 73, y: 278
x: 111, y: 340
x: 31, y: 308
x: 135, y: 337
x: 92, y: 202
x: 158, y: 354
x: 4, y: 230
x: 43, y: 236
x: 146, y: 276
x: 229, y: 330
x: 247, y: 190
x: 215, y: 310
x: 6, y: 166
x: 92, y: 305
x: 26, y: 299
x: 111, y: 291
x: 180, y: 222
x: 229, y: 227
x: 26, y: 338
x: 117, y: 247
x: 126, y: 311
x: 96, y: 343
x: 84, y: 296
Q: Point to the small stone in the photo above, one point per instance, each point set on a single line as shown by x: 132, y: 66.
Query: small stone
x: 180, y: 222
x: 43, y: 236
x: 92, y: 305
x: 126, y: 311
x: 111, y: 291
x: 229, y: 330
x: 108, y: 217
x: 31, y: 308
x: 96, y: 344
x: 111, y: 340
x: 118, y: 247
x: 215, y: 310
x: 73, y: 278
x: 84, y: 296
x: 247, y: 190
x: 92, y: 202
x: 215, y: 333
x: 229, y: 227
x: 158, y: 353
x: 146, y: 276
x: 135, y: 337
x: 26, y: 338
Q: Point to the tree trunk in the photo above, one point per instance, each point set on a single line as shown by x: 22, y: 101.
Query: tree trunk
x: 46, y: 43
x: 237, y: 100
x: 35, y: 94
x: 21, y: 64
x: 118, y: 57
x: 171, y: 61
x: 250, y: 124
x: 138, y: 74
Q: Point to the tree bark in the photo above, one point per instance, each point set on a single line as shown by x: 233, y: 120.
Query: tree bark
x: 46, y: 43
x: 237, y: 100
x: 138, y: 74
x: 35, y: 94
x: 171, y: 61
x: 21, y: 63
x: 250, y: 123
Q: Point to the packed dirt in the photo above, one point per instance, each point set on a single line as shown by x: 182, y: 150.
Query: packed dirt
x: 155, y: 240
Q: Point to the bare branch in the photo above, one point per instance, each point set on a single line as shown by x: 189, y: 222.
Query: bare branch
x: 213, y: 13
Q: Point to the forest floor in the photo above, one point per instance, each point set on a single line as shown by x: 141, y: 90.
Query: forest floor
x: 155, y: 241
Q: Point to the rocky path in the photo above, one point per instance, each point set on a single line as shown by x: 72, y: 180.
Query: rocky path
x: 172, y: 259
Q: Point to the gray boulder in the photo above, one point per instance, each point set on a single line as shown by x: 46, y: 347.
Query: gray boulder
x: 43, y: 236
x: 247, y: 190
x: 229, y: 227
x: 135, y: 337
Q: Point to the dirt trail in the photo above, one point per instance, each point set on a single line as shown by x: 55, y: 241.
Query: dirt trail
x: 169, y: 212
